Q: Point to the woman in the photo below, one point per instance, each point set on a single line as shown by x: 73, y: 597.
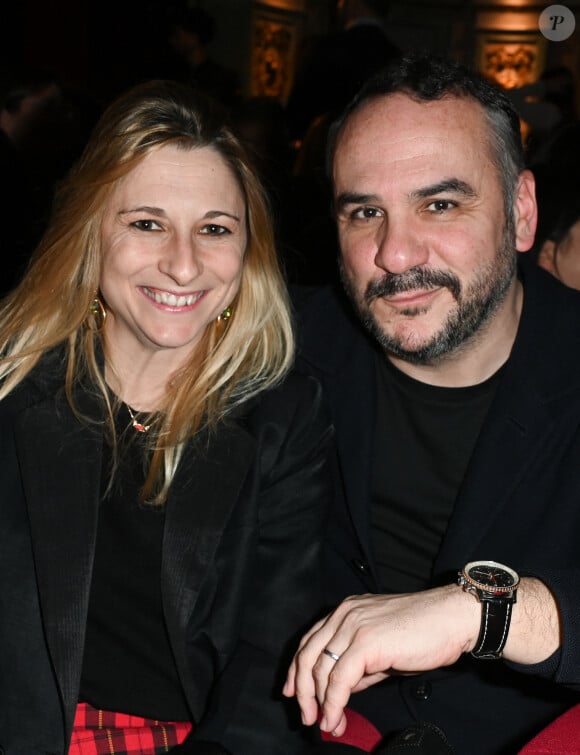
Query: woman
x: 163, y: 490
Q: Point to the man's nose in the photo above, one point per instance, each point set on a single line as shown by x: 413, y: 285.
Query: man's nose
x: 400, y: 247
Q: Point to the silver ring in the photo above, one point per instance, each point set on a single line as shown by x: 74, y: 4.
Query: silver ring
x: 330, y: 654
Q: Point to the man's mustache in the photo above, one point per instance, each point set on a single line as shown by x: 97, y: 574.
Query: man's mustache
x: 417, y: 278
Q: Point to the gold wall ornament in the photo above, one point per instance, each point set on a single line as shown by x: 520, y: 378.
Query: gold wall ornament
x: 510, y: 62
x: 270, y: 65
x: 510, y: 49
x: 274, y: 41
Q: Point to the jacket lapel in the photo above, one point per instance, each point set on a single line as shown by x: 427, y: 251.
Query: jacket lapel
x: 509, y: 444
x: 343, y: 357
x: 535, y: 396
x: 353, y: 412
x: 60, y: 459
x: 205, y: 490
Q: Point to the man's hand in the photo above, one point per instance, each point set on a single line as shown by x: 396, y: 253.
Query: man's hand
x: 376, y: 636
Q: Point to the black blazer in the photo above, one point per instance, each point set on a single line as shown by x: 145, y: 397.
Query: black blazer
x: 519, y: 504
x: 239, y: 567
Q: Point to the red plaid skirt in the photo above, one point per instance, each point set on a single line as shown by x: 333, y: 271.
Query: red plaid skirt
x: 102, y: 732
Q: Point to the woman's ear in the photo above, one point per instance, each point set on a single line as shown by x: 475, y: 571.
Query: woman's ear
x: 547, y: 257
x: 525, y: 211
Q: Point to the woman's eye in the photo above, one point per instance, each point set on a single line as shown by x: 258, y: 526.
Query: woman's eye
x: 146, y: 225
x: 213, y: 229
x: 440, y: 205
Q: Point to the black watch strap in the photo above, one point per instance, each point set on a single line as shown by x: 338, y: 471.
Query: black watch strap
x: 496, y: 615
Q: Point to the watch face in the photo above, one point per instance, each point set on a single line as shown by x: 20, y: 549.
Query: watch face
x: 492, y: 576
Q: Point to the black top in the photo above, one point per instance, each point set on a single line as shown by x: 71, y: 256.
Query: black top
x: 424, y: 438
x: 128, y: 663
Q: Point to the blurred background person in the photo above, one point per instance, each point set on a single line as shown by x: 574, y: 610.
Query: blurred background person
x: 560, y: 251
x: 334, y: 66
x: 548, y: 106
x: 556, y: 167
x: 43, y: 128
x: 30, y: 109
x: 191, y: 31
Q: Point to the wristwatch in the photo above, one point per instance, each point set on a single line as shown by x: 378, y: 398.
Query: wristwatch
x: 495, y: 586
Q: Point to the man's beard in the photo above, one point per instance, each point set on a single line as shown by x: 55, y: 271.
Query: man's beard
x: 475, y: 305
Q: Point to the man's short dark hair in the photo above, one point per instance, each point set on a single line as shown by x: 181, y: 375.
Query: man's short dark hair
x: 427, y: 78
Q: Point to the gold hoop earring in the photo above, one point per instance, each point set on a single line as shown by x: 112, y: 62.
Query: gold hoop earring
x: 225, y: 315
x: 95, y: 320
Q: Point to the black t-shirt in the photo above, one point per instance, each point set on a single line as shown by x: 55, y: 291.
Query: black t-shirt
x: 128, y: 663
x: 424, y: 438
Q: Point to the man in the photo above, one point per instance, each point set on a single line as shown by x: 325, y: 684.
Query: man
x: 457, y: 413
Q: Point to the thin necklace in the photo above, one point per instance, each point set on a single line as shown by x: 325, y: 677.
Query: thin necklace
x: 139, y: 426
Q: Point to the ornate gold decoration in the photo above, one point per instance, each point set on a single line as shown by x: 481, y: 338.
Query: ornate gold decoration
x: 272, y: 52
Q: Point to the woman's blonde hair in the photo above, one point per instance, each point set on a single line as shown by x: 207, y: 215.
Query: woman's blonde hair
x: 233, y: 361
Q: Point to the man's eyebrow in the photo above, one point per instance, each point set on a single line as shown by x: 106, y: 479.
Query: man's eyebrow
x: 349, y: 197
x: 449, y: 185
